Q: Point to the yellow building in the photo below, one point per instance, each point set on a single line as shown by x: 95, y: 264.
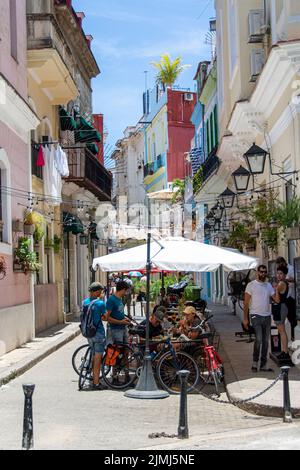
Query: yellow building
x: 60, y: 68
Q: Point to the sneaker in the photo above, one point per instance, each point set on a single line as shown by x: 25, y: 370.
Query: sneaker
x: 254, y: 367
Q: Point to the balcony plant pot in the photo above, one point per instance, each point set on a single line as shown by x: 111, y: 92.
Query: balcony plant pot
x: 48, y: 250
x: 29, y: 229
x: 17, y: 225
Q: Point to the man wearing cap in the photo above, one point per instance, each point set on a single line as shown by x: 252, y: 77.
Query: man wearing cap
x: 190, y: 321
x: 97, y: 343
x: 155, y: 323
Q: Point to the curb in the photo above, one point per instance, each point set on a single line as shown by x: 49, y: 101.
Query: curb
x: 21, y: 369
x: 258, y: 409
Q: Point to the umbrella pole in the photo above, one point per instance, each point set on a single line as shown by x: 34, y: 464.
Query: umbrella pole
x: 146, y: 387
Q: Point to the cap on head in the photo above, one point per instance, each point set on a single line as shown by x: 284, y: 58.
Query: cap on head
x: 189, y: 310
x: 95, y: 286
x: 160, y: 313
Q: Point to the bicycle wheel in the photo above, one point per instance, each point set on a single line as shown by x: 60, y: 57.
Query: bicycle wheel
x: 167, y: 370
x: 85, y: 374
x: 217, y: 374
x: 78, y: 357
x: 124, y: 372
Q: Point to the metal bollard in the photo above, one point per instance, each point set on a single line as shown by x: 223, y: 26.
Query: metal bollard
x: 183, y: 430
x: 27, y: 442
x: 287, y: 417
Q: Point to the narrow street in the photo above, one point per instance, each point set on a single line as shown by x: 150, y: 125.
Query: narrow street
x: 67, y: 419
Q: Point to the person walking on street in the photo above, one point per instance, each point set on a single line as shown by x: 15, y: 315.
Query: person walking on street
x: 117, y: 331
x: 257, y: 303
x: 280, y: 310
x: 291, y: 297
x: 98, y: 342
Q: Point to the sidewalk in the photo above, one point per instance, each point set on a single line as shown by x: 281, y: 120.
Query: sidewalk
x: 20, y: 360
x: 241, y: 382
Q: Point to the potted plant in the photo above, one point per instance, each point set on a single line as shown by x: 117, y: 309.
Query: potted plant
x: 37, y: 222
x: 26, y: 259
x: 3, y: 268
x: 251, y: 244
x: 288, y: 216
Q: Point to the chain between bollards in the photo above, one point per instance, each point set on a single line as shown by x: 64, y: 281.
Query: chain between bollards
x: 27, y: 442
x: 287, y: 414
x: 183, y: 430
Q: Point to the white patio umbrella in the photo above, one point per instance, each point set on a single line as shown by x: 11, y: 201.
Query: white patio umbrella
x: 172, y: 254
x: 176, y: 254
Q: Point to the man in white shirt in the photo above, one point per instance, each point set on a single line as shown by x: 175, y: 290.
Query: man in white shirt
x: 257, y: 303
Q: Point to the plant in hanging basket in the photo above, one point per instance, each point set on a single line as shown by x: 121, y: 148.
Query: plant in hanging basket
x: 3, y: 268
x: 29, y: 229
x: 25, y: 258
x: 38, y: 222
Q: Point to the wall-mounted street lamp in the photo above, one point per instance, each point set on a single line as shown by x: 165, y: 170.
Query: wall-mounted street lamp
x: 256, y: 161
x: 217, y: 212
x: 241, y: 179
x: 227, y: 198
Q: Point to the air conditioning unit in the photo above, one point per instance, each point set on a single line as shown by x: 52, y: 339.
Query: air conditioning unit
x: 256, y: 26
x: 188, y: 97
x: 258, y: 59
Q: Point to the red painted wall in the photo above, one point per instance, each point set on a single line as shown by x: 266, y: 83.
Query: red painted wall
x: 181, y: 132
x: 99, y: 125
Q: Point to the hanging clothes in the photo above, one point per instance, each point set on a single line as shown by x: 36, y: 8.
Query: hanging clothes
x: 40, y: 159
x: 61, y: 162
x: 52, y: 178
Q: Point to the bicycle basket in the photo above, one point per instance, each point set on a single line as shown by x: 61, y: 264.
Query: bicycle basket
x: 111, y: 356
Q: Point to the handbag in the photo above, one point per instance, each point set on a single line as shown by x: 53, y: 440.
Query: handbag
x: 276, y: 312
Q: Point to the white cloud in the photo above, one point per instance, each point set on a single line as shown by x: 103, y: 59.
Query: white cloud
x: 180, y: 43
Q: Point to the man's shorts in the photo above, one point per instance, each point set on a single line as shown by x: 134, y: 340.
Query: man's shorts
x: 98, y: 343
x: 117, y: 336
x: 283, y: 315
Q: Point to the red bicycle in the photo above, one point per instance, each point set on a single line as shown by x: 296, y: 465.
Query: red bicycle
x: 211, y: 368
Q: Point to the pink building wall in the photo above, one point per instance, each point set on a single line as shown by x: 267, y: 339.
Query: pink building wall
x: 14, y: 71
x: 15, y: 288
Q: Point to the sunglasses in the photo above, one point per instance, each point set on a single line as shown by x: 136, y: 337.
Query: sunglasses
x: 263, y: 272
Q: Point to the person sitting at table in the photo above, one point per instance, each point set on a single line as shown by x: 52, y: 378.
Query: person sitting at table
x: 162, y: 299
x: 155, y: 323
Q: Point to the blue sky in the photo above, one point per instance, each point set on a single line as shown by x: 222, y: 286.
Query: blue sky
x: 128, y: 35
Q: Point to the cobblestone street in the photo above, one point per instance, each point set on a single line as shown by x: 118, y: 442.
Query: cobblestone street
x: 67, y: 419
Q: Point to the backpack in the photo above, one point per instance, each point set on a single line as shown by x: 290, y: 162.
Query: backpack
x: 87, y: 327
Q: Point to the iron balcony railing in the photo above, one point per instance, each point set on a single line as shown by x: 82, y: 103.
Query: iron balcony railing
x: 211, y: 164
x: 86, y: 171
x: 152, y: 167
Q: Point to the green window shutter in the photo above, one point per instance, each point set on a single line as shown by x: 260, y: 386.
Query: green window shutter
x: 207, y: 137
x: 216, y: 124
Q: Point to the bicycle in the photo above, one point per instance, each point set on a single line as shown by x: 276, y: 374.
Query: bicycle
x: 211, y: 368
x: 78, y: 358
x: 166, y: 365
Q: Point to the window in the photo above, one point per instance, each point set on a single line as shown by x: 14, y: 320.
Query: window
x: 1, y: 216
x: 13, y: 29
x: 5, y: 203
x: 232, y: 35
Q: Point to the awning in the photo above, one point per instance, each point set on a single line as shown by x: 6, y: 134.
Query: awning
x: 93, y: 148
x: 72, y: 224
x: 85, y: 131
x: 67, y: 123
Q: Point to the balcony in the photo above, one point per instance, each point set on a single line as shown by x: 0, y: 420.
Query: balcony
x: 50, y: 61
x: 211, y: 165
x: 87, y: 172
x: 152, y: 167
